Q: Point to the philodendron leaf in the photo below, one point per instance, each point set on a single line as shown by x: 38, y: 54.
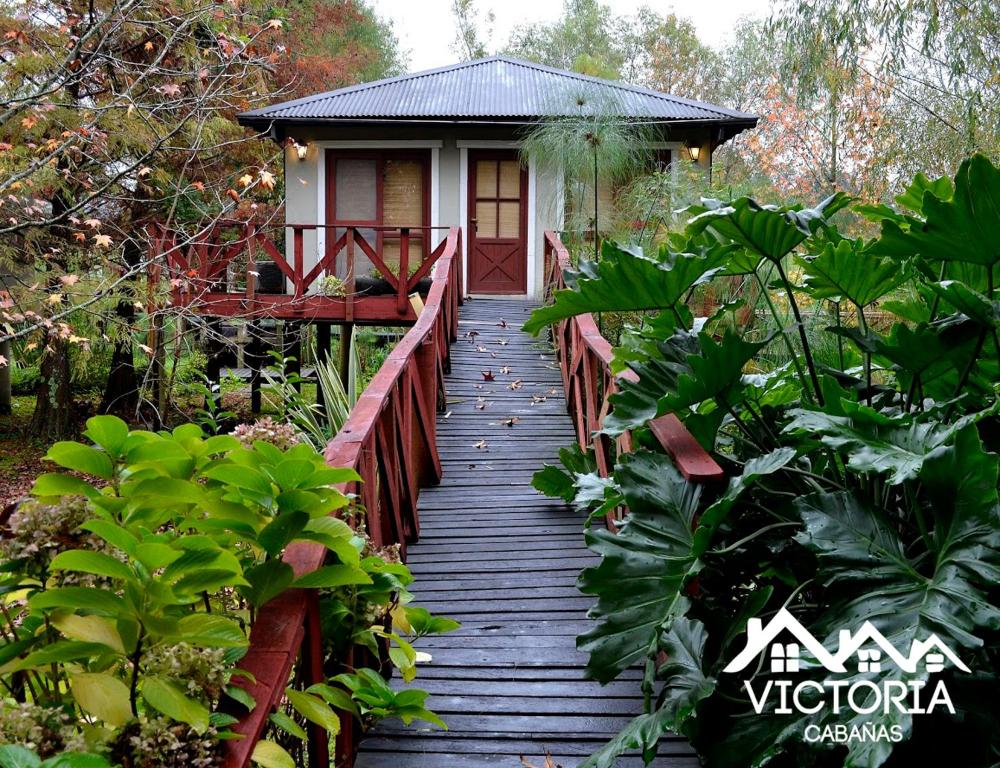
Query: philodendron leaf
x: 874, y: 442
x: 626, y: 280
x: 969, y: 302
x: 962, y: 228
x: 641, y: 733
x: 643, y: 567
x: 685, y: 375
x: 846, y: 271
x: 937, y: 585
x: 768, y: 231
x: 685, y: 682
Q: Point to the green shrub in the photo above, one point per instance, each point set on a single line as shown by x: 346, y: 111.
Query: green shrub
x: 130, y: 583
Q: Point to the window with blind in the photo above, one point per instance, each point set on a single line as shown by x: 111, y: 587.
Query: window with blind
x: 390, y: 188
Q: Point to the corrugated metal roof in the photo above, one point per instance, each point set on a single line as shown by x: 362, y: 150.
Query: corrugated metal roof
x: 498, y: 87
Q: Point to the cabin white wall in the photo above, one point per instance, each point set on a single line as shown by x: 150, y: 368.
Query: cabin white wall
x: 302, y: 178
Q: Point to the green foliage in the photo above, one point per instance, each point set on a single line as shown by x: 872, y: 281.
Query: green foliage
x: 857, y: 493
x: 140, y: 576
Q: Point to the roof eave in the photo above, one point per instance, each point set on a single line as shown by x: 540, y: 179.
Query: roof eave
x: 264, y: 123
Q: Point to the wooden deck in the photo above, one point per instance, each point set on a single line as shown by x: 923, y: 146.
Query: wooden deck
x: 503, y: 559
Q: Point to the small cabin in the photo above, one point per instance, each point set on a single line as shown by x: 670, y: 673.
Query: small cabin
x: 396, y: 162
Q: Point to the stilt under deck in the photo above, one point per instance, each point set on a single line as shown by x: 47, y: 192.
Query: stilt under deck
x: 503, y: 559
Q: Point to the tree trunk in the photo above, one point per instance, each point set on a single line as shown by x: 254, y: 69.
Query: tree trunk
x: 53, y: 418
x: 5, y: 393
x: 121, y: 394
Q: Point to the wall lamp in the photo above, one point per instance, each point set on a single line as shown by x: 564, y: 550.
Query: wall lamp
x: 301, y: 150
x: 694, y: 151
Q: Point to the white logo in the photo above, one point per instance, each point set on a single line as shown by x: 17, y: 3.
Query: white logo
x: 863, y: 652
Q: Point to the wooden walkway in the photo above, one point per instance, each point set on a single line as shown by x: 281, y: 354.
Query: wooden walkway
x: 503, y: 559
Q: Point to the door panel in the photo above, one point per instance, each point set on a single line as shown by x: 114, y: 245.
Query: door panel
x: 497, y: 227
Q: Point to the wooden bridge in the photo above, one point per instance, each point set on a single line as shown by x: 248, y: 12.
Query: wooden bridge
x: 468, y: 407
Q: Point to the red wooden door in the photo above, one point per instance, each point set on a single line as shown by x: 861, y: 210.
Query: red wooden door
x: 498, y: 223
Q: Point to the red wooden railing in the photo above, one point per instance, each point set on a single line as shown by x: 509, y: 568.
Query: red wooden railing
x: 198, y: 265
x: 390, y: 440
x: 585, y: 360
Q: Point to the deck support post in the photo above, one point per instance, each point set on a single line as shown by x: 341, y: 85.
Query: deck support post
x: 213, y: 367
x: 291, y: 350
x: 255, y: 361
x: 344, y: 363
x: 322, y: 354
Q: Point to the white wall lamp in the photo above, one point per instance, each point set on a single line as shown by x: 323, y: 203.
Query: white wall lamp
x: 301, y: 150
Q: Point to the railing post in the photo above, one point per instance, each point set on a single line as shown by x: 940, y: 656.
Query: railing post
x: 312, y: 651
x: 299, y: 260
x: 251, y: 236
x: 349, y: 298
x: 402, y: 292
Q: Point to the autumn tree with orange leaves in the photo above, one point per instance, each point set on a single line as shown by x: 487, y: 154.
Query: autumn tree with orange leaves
x: 117, y: 113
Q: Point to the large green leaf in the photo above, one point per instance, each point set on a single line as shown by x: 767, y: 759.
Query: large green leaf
x: 643, y: 567
x: 626, y: 280
x: 109, y: 432
x: 681, y: 378
x: 768, y: 231
x: 897, y: 445
x: 91, y: 562
x: 963, y: 228
x: 166, y: 696
x: 642, y: 733
x: 884, y: 579
x: 685, y: 682
x: 81, y: 458
x: 846, y: 271
x: 103, y: 696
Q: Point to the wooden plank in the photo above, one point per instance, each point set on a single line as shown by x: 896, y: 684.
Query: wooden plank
x: 504, y: 560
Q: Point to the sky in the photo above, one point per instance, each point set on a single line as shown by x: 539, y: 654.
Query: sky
x: 426, y: 30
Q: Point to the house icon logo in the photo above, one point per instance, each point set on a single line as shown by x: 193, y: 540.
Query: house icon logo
x: 869, y: 675
x: 863, y: 651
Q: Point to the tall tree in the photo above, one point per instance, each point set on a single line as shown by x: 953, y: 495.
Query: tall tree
x: 469, y: 41
x: 335, y: 43
x: 586, y: 38
x: 113, y: 110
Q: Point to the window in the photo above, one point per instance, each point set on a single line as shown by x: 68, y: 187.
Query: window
x: 379, y: 187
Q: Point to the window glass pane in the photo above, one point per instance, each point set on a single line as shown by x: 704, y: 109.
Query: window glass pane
x: 403, y: 193
x: 486, y: 178
x: 510, y: 178
x: 510, y: 220
x: 355, y: 189
x: 390, y: 254
x: 486, y: 219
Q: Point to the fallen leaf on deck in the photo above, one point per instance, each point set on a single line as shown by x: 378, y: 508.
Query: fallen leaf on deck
x: 488, y: 375
x: 481, y: 445
x: 480, y: 348
x: 516, y: 384
x: 502, y: 323
x: 503, y: 342
x: 549, y: 762
x: 505, y: 369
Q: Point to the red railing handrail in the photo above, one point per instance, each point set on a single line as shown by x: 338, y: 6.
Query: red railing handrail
x: 585, y: 358
x: 389, y: 438
x: 198, y: 262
